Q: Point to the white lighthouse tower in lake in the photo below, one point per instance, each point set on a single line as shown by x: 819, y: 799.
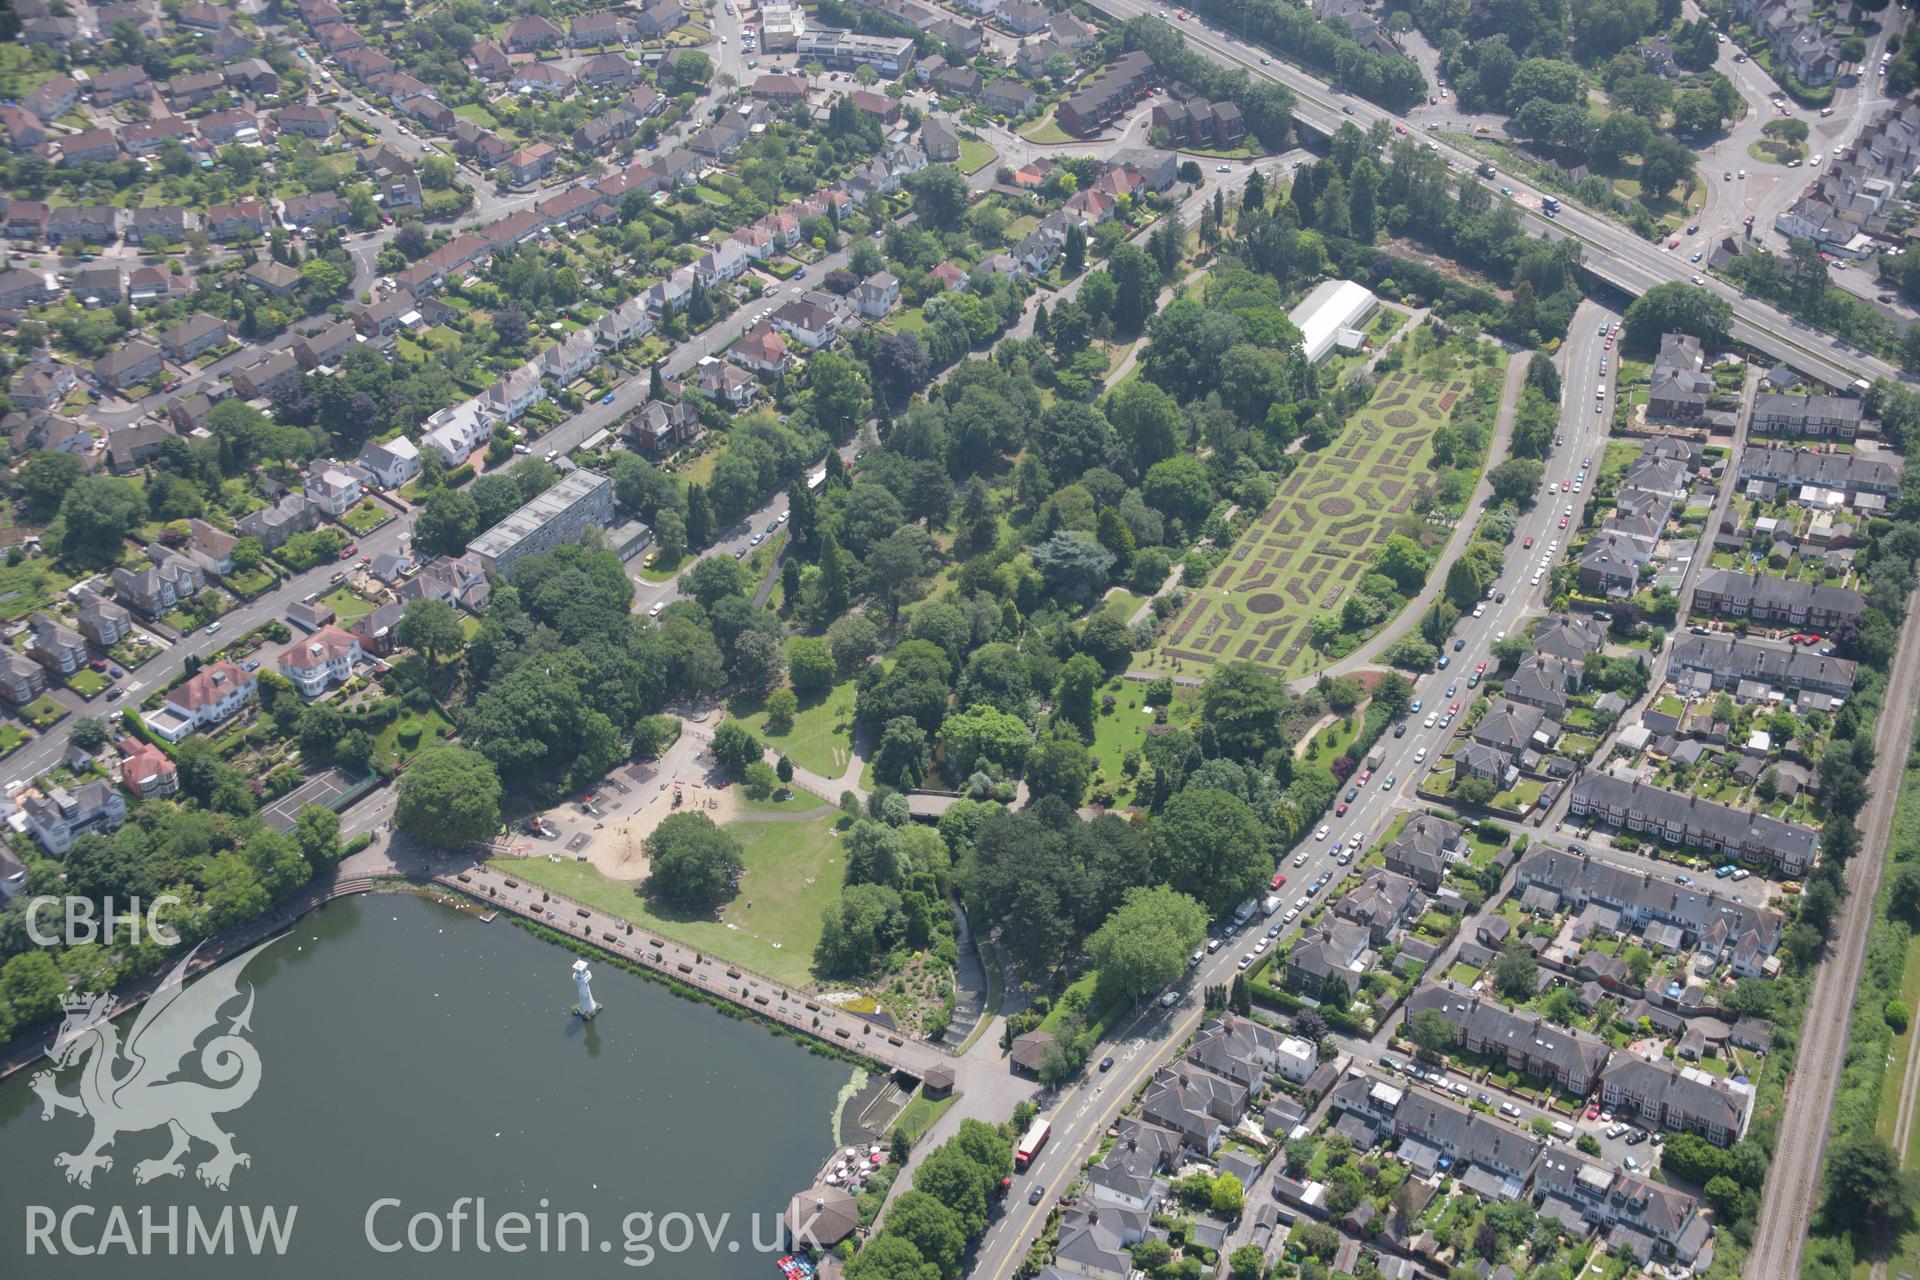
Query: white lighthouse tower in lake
x: 583, y: 984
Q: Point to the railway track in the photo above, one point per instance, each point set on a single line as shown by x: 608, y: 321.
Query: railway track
x: 1793, y: 1182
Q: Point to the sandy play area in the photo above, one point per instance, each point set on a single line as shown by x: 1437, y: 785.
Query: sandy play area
x: 616, y: 849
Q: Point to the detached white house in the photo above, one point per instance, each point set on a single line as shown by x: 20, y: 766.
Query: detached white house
x: 327, y: 657
x: 393, y: 462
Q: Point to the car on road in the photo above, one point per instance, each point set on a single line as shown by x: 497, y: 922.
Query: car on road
x: 1444, y: 662
x: 1458, y: 643
x: 351, y: 551
x: 1246, y: 961
x: 213, y: 628
x: 1300, y: 859
x: 1037, y: 1194
x: 1429, y: 722
x: 1696, y: 256
x: 1279, y: 878
x: 1509, y: 1110
x: 1420, y: 755
x: 1388, y: 784
x: 1170, y: 999
x: 1479, y: 610
x: 1452, y: 689
x: 1527, y: 544
x: 113, y: 694
x: 1223, y: 168
x: 1106, y: 1063
x: 1563, y: 522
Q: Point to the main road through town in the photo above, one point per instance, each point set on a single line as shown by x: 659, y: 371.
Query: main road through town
x: 1084, y: 1110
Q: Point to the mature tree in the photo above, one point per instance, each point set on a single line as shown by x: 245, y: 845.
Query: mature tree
x: 782, y: 706
x: 903, y: 757
x: 1145, y: 943
x: 853, y: 640
x: 1073, y: 695
x: 939, y: 196
x: 1208, y: 844
x: 1241, y: 705
x: 431, y: 627
x: 1074, y: 566
x: 1147, y: 421
x: 934, y: 1229
x: 713, y: 579
x: 1865, y: 1183
x: 899, y: 565
x: 692, y: 862
x: 1515, y: 971
x: 1678, y: 308
x: 1059, y: 766
x: 866, y: 924
x: 891, y: 1257
x: 44, y: 479
x: 839, y: 394
x: 316, y: 829
x: 449, y: 796
x: 89, y: 733
x: 1430, y: 1030
x: 810, y: 663
x: 984, y: 734
x: 97, y: 516
x: 1517, y: 479
x: 447, y: 522
x: 734, y: 747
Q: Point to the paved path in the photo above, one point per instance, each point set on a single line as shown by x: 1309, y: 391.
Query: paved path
x: 1369, y: 653
x: 758, y: 995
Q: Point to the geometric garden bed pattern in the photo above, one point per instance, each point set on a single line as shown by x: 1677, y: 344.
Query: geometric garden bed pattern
x: 1313, y: 545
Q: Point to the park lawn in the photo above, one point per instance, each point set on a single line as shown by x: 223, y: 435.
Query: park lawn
x: 347, y: 607
x: 796, y: 800
x: 821, y: 739
x: 975, y: 155
x: 431, y: 726
x: 921, y: 1113
x: 794, y: 870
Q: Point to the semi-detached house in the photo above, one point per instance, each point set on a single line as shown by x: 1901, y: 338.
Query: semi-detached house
x: 1686, y: 820
x: 1571, y: 1058
x: 1672, y: 1097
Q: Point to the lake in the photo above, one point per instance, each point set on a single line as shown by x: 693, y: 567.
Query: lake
x: 414, y: 1060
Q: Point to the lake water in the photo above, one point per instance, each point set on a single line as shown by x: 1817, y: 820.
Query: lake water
x: 412, y: 1053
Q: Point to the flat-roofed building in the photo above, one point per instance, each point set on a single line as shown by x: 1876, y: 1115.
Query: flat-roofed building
x: 579, y: 501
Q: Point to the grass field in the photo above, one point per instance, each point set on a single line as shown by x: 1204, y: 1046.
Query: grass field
x: 794, y: 870
x: 424, y: 727
x: 348, y: 607
x: 975, y: 155
x: 920, y: 1115
x: 1314, y: 544
x: 1045, y: 131
x: 821, y: 739
x: 42, y: 711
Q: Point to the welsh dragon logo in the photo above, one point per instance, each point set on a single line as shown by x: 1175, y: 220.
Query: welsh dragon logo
x: 133, y: 1087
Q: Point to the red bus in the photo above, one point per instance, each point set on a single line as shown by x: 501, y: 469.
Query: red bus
x: 1036, y: 1138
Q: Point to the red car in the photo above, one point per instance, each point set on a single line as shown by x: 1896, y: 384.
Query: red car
x: 1565, y: 485
x: 1563, y: 522
x: 1528, y: 543
x: 1454, y: 710
x: 351, y: 551
x: 1279, y: 878
x: 1593, y: 1111
x: 1399, y: 128
x: 1481, y: 667
x: 1364, y: 775
x: 1340, y: 810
